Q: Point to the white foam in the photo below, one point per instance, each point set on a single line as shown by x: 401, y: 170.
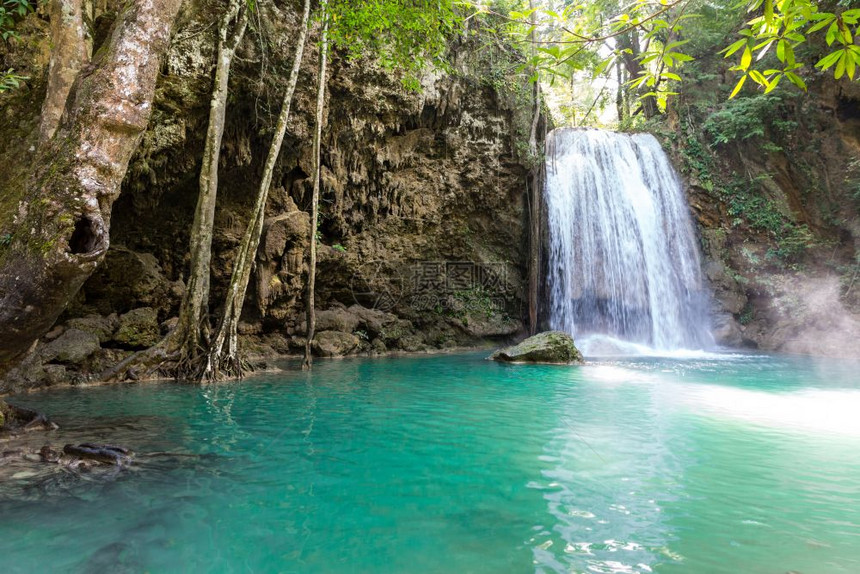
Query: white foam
x: 604, y: 346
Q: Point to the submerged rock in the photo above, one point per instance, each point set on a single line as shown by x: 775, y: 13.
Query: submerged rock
x: 103, y: 453
x: 15, y: 419
x: 547, y: 347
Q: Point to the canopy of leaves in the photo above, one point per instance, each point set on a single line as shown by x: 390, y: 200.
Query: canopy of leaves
x: 401, y: 34
x: 654, y: 39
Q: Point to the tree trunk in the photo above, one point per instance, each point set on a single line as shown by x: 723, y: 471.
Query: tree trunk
x: 633, y: 67
x: 534, y: 196
x: 70, y: 54
x: 223, y: 358
x: 192, y: 332
x: 64, y: 222
x: 620, y: 93
x: 312, y: 271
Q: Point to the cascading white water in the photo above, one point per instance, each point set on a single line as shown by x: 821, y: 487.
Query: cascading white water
x: 623, y: 257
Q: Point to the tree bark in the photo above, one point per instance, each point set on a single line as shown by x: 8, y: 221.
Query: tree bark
x: 312, y: 271
x: 223, y: 358
x: 534, y: 195
x: 70, y: 54
x: 192, y: 331
x: 620, y: 93
x: 64, y: 222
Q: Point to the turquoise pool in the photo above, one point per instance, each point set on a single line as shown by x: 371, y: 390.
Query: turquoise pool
x: 452, y: 464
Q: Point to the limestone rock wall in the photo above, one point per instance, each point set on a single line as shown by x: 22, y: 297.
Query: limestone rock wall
x: 422, y: 233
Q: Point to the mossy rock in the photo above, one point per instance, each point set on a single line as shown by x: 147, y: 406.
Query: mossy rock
x: 552, y: 347
x: 138, y: 329
x: 102, y: 327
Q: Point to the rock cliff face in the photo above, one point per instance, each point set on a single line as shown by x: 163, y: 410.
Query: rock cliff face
x: 422, y: 235
x: 774, y: 182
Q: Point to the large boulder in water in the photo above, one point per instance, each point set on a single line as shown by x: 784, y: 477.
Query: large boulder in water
x: 334, y: 343
x: 548, y: 347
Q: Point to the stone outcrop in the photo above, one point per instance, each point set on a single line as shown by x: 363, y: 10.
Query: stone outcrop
x: 127, y: 280
x: 554, y: 347
x: 138, y: 329
x: 101, y: 327
x: 73, y: 346
x: 334, y: 343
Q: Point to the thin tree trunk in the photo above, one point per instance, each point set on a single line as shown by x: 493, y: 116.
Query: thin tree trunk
x: 64, y: 222
x: 192, y: 331
x: 70, y: 54
x: 619, y: 92
x: 534, y: 195
x: 223, y: 358
x: 312, y: 271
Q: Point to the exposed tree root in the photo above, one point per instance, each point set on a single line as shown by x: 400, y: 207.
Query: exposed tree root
x: 160, y: 360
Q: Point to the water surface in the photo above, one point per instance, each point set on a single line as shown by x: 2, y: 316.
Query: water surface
x: 455, y: 464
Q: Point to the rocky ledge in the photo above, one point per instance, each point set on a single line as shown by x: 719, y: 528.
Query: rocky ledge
x: 552, y: 347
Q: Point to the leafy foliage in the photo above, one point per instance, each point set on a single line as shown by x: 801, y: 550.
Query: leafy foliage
x: 9, y: 80
x: 749, y: 207
x: 745, y: 118
x: 10, y: 12
x: 783, y: 26
x: 402, y: 34
x: 646, y: 44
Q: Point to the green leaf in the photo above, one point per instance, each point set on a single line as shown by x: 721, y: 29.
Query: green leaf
x: 553, y: 51
x: 734, y: 48
x: 679, y: 57
x: 673, y: 45
x: 822, y: 24
x: 746, y: 59
x: 840, y: 67
x: 738, y: 87
x: 796, y: 80
x: 828, y: 60
x: 602, y: 66
x: 773, y: 84
x: 846, y: 37
x: 831, y: 34
x: 758, y: 78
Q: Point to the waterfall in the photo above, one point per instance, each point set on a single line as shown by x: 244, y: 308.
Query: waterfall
x: 623, y: 256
